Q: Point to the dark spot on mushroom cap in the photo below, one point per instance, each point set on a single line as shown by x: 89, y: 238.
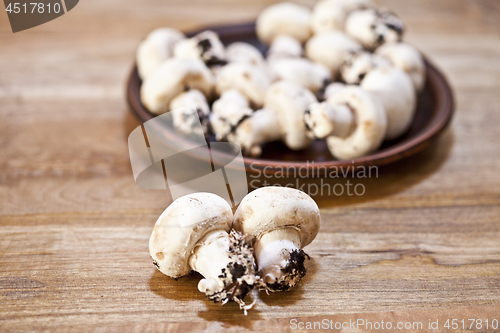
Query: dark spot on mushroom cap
x: 214, y: 61
x: 205, y: 45
x: 235, y: 126
x: 380, y: 39
x: 156, y: 264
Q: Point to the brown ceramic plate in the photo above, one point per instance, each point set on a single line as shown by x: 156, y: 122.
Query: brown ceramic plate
x: 434, y: 111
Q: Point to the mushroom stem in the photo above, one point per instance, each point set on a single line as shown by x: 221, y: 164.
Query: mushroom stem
x: 280, y: 259
x: 324, y: 120
x: 343, y: 120
x: 260, y: 127
x: 227, y: 265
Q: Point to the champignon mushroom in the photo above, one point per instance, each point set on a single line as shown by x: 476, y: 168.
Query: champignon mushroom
x: 170, y: 79
x: 330, y: 15
x: 192, y: 234
x: 374, y: 27
x: 187, y: 122
x: 352, y: 120
x: 355, y: 68
x: 227, y: 112
x: 251, y: 132
x: 280, y: 221
x: 281, y: 118
x: 205, y: 46
x: 284, y: 46
x: 313, y: 76
x: 395, y: 90
x: 155, y: 49
x: 250, y: 80
x: 407, y: 58
x: 283, y: 18
x: 290, y: 100
x: 331, y: 48
x: 244, y: 52
x: 325, y: 119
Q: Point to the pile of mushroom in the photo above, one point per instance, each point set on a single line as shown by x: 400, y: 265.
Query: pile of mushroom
x: 198, y: 232
x: 339, y: 71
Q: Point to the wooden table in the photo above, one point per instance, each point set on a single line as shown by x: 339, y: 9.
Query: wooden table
x: 422, y: 244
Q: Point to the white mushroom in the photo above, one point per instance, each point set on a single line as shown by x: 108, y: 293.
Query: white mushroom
x: 250, y: 80
x: 155, y: 49
x: 192, y: 234
x: 281, y: 222
x: 244, y: 52
x: 170, y: 79
x: 395, y: 90
x: 348, y: 135
x: 290, y: 100
x: 187, y: 122
x: 355, y: 68
x: 407, y: 58
x: 205, y: 46
x: 313, y: 76
x: 227, y: 112
x: 374, y: 27
x: 331, y: 48
x: 330, y: 15
x: 258, y: 128
x: 283, y: 18
x: 284, y: 46
x: 325, y: 119
x: 282, y: 118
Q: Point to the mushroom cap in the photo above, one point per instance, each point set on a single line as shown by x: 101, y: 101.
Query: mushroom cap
x: 227, y: 112
x: 311, y: 75
x: 333, y: 88
x: 330, y: 15
x: 205, y: 46
x: 170, y: 79
x: 156, y: 48
x: 331, y: 48
x: 371, y: 123
x: 249, y: 80
x: 395, y: 90
x: 284, y: 46
x: 179, y: 228
x: 283, y: 18
x: 187, y: 122
x: 244, y: 52
x: 290, y: 100
x: 355, y: 68
x: 407, y: 58
x: 271, y: 208
x: 374, y: 27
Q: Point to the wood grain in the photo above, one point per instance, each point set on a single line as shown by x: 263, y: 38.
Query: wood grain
x: 422, y: 243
